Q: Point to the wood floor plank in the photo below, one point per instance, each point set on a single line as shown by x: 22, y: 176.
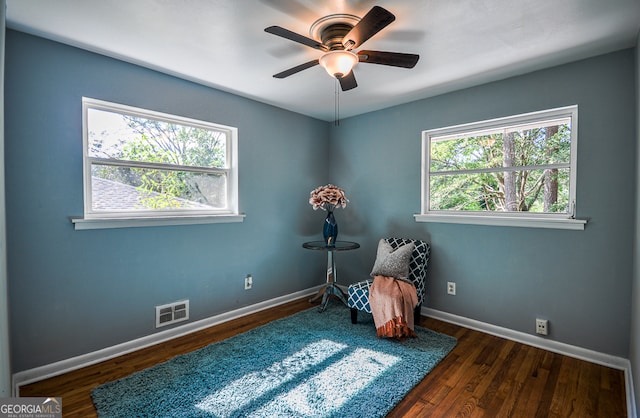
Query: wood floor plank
x: 484, y: 376
x: 533, y: 389
x: 554, y: 363
x: 506, y: 385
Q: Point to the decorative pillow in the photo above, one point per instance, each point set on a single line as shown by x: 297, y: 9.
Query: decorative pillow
x: 393, y: 263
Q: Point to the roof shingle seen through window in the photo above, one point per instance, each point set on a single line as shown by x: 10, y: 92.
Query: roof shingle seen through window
x: 111, y: 195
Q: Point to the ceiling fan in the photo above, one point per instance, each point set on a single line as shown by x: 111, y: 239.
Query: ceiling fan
x: 338, y: 35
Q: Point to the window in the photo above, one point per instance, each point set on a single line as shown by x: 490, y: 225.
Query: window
x: 141, y: 164
x: 515, y: 168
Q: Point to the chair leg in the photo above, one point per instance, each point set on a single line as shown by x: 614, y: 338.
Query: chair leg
x: 354, y: 316
x: 416, y: 312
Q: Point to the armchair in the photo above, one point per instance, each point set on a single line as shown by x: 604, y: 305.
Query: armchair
x: 359, y: 292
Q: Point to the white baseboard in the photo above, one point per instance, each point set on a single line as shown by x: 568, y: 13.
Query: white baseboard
x: 64, y: 366
x: 546, y: 344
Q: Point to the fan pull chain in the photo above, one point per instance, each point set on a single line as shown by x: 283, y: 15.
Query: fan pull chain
x: 336, y: 116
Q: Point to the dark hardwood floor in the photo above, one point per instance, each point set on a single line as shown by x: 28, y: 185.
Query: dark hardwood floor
x: 484, y: 376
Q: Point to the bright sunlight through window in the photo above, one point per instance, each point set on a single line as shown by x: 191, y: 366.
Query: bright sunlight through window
x: 515, y: 167
x: 140, y: 163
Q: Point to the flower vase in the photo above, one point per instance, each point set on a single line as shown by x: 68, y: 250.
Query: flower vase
x: 330, y: 230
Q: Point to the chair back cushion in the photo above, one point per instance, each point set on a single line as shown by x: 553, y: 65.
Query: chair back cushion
x: 417, y: 263
x: 393, y: 262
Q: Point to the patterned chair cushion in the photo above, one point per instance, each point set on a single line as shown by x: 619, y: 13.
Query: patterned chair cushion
x: 359, y: 292
x: 359, y: 296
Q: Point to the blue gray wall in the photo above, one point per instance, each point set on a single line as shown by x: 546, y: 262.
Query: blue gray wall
x: 73, y: 292
x: 579, y: 280
x: 634, y: 349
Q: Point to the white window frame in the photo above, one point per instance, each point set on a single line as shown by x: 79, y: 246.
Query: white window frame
x: 115, y: 219
x: 520, y: 219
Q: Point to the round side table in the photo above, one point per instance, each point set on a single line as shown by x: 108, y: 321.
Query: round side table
x: 330, y: 287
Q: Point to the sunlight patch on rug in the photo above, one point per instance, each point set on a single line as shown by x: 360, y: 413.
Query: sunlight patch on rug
x: 256, y: 384
x: 332, y: 387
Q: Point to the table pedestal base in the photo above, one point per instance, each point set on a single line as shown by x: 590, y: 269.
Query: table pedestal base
x: 326, y: 292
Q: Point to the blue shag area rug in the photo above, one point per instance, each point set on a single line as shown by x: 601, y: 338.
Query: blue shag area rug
x: 310, y: 364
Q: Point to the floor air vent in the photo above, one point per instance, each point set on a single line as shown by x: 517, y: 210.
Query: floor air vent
x: 171, y: 313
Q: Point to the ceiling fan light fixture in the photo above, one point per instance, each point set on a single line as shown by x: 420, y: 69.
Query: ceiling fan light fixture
x: 338, y: 63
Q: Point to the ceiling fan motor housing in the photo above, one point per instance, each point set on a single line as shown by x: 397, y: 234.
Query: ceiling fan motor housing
x: 333, y: 35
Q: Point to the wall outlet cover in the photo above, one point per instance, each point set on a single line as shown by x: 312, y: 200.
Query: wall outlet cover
x: 542, y: 326
x: 451, y: 288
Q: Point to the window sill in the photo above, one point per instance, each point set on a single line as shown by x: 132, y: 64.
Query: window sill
x: 553, y: 223
x: 108, y: 223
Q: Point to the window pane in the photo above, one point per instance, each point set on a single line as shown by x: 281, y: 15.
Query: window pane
x: 541, y: 143
x: 467, y: 153
x: 547, y: 144
x: 125, y: 137
x: 116, y: 188
x: 541, y: 191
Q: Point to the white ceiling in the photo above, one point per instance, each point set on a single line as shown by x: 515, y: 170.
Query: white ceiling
x: 222, y: 43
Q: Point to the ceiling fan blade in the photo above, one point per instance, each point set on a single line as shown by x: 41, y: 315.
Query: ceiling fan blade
x: 296, y: 69
x: 348, y: 82
x: 292, y: 36
x: 395, y: 59
x: 373, y: 22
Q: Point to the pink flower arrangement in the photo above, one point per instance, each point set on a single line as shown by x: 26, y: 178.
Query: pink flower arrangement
x: 328, y: 197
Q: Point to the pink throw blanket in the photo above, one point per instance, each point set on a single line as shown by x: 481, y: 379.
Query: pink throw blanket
x: 392, y: 302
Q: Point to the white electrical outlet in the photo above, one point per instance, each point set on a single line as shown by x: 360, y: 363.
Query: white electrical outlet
x: 248, y: 282
x: 542, y: 326
x: 451, y: 288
